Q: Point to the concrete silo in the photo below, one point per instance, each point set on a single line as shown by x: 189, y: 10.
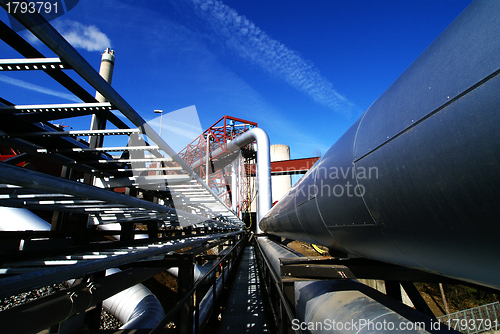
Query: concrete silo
x: 281, y: 184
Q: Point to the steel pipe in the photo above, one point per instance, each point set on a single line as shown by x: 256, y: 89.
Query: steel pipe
x: 414, y: 181
x: 347, y: 306
x: 136, y: 307
x: 264, y: 196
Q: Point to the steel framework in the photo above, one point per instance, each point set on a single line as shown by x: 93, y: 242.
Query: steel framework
x: 99, y: 198
x: 223, y: 164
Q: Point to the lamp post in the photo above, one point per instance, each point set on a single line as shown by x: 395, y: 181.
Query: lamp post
x: 158, y: 111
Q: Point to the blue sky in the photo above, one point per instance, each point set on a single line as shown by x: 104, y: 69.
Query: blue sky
x: 303, y: 70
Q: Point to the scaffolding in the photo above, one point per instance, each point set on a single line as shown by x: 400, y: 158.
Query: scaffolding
x: 136, y: 205
x: 224, y: 168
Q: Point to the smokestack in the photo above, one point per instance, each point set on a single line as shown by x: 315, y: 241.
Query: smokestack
x: 99, y: 120
x: 106, y: 70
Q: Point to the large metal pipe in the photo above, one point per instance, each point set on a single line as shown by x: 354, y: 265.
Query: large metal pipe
x: 258, y: 135
x: 207, y: 303
x: 264, y: 194
x: 199, y: 271
x: 136, y: 307
x: 347, y: 306
x: 235, y: 170
x: 414, y: 181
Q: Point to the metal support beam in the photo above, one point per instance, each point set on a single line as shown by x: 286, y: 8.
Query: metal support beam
x: 33, y: 280
x: 416, y: 298
x: 31, y: 179
x: 28, y: 51
x: 185, y: 283
x: 300, y: 268
x: 76, y: 133
x: 52, y: 39
x: 56, y: 107
x: 393, y: 290
x: 47, y: 311
x: 31, y: 64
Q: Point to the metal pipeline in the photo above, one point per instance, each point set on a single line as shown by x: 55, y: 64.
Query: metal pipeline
x: 414, y: 181
x: 136, y: 307
x: 199, y: 271
x: 347, y: 306
x: 207, y: 302
x: 263, y: 165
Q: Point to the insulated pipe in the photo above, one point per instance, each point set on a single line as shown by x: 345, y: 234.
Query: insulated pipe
x: 207, y: 168
x: 207, y: 302
x: 347, y: 306
x: 414, y: 182
x: 234, y: 184
x: 199, y: 271
x: 136, y: 307
x: 264, y: 195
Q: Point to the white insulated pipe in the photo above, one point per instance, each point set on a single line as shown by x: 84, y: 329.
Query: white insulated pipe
x: 264, y: 194
x: 207, y: 169
x: 136, y: 307
x: 199, y: 271
x: 234, y: 185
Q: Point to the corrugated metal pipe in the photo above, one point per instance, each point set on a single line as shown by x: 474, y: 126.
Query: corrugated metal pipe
x: 136, y: 307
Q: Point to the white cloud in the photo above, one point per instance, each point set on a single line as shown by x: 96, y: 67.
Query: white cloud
x: 39, y: 89
x: 249, y: 42
x: 82, y: 36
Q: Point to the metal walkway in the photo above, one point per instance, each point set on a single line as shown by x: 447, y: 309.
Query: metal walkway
x: 245, y: 309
